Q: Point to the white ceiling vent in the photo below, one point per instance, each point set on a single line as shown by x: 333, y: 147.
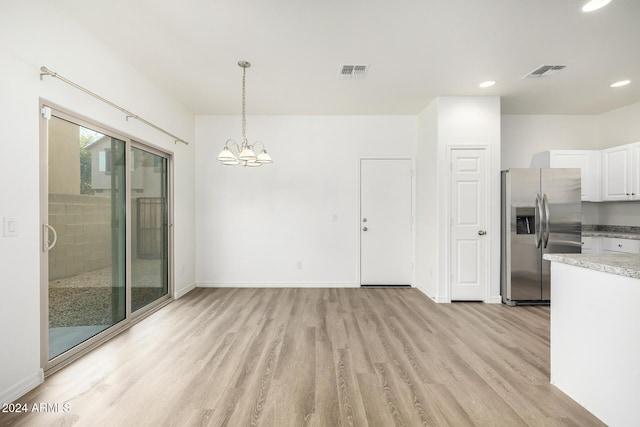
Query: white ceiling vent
x: 545, y: 71
x: 355, y: 72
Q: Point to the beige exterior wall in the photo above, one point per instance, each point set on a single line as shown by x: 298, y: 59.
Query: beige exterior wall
x: 64, y: 157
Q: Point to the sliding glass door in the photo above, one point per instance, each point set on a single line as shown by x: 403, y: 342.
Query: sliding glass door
x: 105, y: 233
x: 149, y: 228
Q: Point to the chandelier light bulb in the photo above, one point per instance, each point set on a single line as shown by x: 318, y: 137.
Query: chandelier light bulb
x: 247, y: 154
x: 226, y: 155
x: 253, y: 164
x: 264, y: 157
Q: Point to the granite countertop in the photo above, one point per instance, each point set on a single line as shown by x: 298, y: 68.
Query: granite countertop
x: 615, y: 231
x: 614, y: 234
x: 621, y: 264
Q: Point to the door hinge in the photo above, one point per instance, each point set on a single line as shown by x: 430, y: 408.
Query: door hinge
x: 46, y: 113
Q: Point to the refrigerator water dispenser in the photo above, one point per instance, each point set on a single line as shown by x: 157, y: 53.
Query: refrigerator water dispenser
x: 525, y: 221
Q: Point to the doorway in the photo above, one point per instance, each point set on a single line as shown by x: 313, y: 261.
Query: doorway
x: 386, y: 222
x: 94, y: 282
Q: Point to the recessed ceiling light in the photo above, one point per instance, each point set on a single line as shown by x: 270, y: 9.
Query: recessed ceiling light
x: 592, y: 5
x: 620, y: 83
x: 488, y: 83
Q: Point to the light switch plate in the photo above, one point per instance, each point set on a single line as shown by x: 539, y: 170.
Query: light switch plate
x: 10, y: 226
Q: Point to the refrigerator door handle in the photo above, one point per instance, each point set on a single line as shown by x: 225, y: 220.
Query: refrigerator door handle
x: 545, y: 230
x: 538, y: 221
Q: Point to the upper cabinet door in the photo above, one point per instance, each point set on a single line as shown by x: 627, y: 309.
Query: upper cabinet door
x: 589, y: 163
x: 573, y: 159
x: 616, y: 173
x: 635, y: 171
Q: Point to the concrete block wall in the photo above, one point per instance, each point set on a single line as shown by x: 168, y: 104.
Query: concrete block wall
x: 83, y: 224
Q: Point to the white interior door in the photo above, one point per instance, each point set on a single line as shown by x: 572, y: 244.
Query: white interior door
x: 385, y: 222
x: 469, y: 219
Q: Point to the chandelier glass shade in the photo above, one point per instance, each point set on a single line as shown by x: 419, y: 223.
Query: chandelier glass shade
x: 244, y: 154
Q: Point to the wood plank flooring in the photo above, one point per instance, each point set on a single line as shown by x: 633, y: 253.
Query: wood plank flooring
x: 315, y: 357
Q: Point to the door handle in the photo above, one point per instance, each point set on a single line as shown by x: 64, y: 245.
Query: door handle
x: 47, y: 245
x: 481, y: 232
x: 546, y: 232
x: 364, y: 228
x: 538, y: 222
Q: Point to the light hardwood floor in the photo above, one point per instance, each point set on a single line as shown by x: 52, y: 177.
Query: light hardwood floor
x: 318, y: 357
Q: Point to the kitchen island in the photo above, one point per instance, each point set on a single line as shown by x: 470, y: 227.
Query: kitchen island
x: 595, y: 333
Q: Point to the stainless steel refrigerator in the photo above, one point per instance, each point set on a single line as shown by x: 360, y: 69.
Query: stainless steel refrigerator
x: 541, y: 213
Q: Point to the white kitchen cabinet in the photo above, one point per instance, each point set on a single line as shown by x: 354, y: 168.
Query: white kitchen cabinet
x: 588, y: 161
x: 591, y: 244
x: 627, y: 246
x: 621, y: 173
x: 635, y: 171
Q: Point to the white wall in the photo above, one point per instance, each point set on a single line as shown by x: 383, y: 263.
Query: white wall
x: 427, y: 184
x: 621, y: 126
x: 254, y: 225
x: 619, y: 213
x: 35, y: 33
x: 447, y: 122
x: 524, y: 135
x: 591, y: 213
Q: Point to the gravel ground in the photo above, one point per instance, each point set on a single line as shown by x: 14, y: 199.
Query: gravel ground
x: 145, y: 273
x: 86, y: 299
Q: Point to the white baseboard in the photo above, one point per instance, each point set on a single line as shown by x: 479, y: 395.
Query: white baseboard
x: 208, y: 284
x: 424, y: 291
x: 494, y: 299
x: 182, y: 292
x: 23, y: 387
x: 434, y: 298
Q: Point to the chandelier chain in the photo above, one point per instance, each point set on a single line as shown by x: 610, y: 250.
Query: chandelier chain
x: 244, y: 117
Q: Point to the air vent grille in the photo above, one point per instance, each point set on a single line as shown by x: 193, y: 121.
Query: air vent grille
x: 545, y: 71
x: 355, y: 72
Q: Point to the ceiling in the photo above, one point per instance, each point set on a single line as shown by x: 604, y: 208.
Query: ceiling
x: 417, y: 50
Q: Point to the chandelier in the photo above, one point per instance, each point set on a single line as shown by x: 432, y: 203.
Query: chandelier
x: 232, y: 154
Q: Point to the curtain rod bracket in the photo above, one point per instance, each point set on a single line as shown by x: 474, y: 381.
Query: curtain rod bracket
x: 46, y: 72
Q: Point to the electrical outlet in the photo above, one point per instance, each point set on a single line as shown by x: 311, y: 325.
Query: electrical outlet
x: 299, y: 265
